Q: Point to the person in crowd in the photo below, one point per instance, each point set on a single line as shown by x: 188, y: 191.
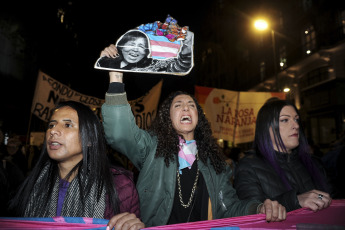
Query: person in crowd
x: 183, y: 176
x: 236, y: 154
x: 33, y: 153
x: 340, y: 175
x: 279, y: 166
x: 230, y: 162
x: 333, y: 163
x: 4, y: 190
x: 73, y: 177
x: 2, y: 145
x: 11, y: 176
x: 233, y: 154
x: 14, y: 154
x: 314, y: 149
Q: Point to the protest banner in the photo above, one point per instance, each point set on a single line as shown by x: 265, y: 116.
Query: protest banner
x: 49, y: 92
x: 232, y: 114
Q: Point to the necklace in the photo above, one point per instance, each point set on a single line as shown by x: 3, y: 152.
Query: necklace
x: 193, y: 189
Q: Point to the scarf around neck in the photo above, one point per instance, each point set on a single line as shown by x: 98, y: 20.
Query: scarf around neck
x: 187, y: 153
x: 72, y: 205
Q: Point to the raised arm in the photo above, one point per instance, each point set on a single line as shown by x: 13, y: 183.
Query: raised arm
x: 111, y: 52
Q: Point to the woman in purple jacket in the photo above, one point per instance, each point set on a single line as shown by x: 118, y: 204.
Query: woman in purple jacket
x: 73, y: 177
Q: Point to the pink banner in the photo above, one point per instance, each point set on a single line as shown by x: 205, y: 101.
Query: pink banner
x: 301, y: 219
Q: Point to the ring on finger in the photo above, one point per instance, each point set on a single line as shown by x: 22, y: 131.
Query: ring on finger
x: 320, y: 196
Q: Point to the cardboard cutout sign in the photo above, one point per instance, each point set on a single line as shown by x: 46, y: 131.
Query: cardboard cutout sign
x: 161, y: 48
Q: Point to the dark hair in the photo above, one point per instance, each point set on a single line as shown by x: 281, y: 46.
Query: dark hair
x: 168, y: 141
x: 268, y: 117
x: 94, y: 168
x: 131, y: 36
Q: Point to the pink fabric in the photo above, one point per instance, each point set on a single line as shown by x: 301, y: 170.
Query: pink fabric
x: 88, y: 220
x: 59, y: 219
x: 27, y: 224
x: 334, y: 215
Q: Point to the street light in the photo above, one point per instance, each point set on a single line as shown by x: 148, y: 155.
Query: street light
x: 261, y: 24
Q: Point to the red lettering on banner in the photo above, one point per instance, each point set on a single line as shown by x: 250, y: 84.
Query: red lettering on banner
x: 226, y: 112
x: 244, y: 112
x: 241, y: 121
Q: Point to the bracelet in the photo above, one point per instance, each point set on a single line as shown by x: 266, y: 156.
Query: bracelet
x: 258, y: 208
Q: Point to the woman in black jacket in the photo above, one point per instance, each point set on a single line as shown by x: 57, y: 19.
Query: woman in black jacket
x: 280, y: 166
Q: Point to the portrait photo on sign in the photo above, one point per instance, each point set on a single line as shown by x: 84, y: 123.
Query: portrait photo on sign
x: 161, y: 48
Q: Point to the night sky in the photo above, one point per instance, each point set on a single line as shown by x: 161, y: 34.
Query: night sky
x: 67, y: 51
x: 97, y: 25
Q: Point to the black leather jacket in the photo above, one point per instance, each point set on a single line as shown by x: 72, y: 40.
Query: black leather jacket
x: 256, y: 178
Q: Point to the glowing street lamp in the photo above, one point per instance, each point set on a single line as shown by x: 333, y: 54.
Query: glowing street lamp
x: 261, y: 25
x: 286, y: 90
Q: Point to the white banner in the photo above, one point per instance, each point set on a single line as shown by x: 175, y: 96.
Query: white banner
x: 49, y: 92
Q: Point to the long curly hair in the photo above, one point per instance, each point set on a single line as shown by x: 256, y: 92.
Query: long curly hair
x: 168, y: 138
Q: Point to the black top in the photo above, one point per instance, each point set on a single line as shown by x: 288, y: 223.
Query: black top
x: 255, y: 178
x: 198, y: 210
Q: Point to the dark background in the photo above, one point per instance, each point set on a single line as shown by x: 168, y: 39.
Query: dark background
x: 227, y: 51
x: 67, y: 51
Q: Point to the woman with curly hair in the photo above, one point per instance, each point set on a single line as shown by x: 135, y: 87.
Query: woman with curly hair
x: 183, y: 175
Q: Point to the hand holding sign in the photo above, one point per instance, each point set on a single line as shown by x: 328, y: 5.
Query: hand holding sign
x: 163, y: 48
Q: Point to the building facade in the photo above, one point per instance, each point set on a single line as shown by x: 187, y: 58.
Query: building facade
x: 310, y: 61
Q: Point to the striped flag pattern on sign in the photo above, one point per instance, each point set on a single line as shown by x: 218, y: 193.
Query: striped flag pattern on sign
x: 162, y: 48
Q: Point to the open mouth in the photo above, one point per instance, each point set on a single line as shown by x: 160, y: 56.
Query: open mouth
x: 133, y: 54
x: 54, y: 144
x: 186, y: 119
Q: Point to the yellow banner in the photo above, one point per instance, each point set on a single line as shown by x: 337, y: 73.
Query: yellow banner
x: 232, y: 114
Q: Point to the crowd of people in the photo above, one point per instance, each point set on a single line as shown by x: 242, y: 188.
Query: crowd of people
x: 182, y: 173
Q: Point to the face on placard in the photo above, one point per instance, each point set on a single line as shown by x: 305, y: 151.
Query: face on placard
x: 288, y: 128
x: 184, y: 116
x: 134, y: 50
x: 62, y: 137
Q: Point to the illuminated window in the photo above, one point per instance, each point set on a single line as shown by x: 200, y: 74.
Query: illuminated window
x: 309, y: 40
x: 282, y: 57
